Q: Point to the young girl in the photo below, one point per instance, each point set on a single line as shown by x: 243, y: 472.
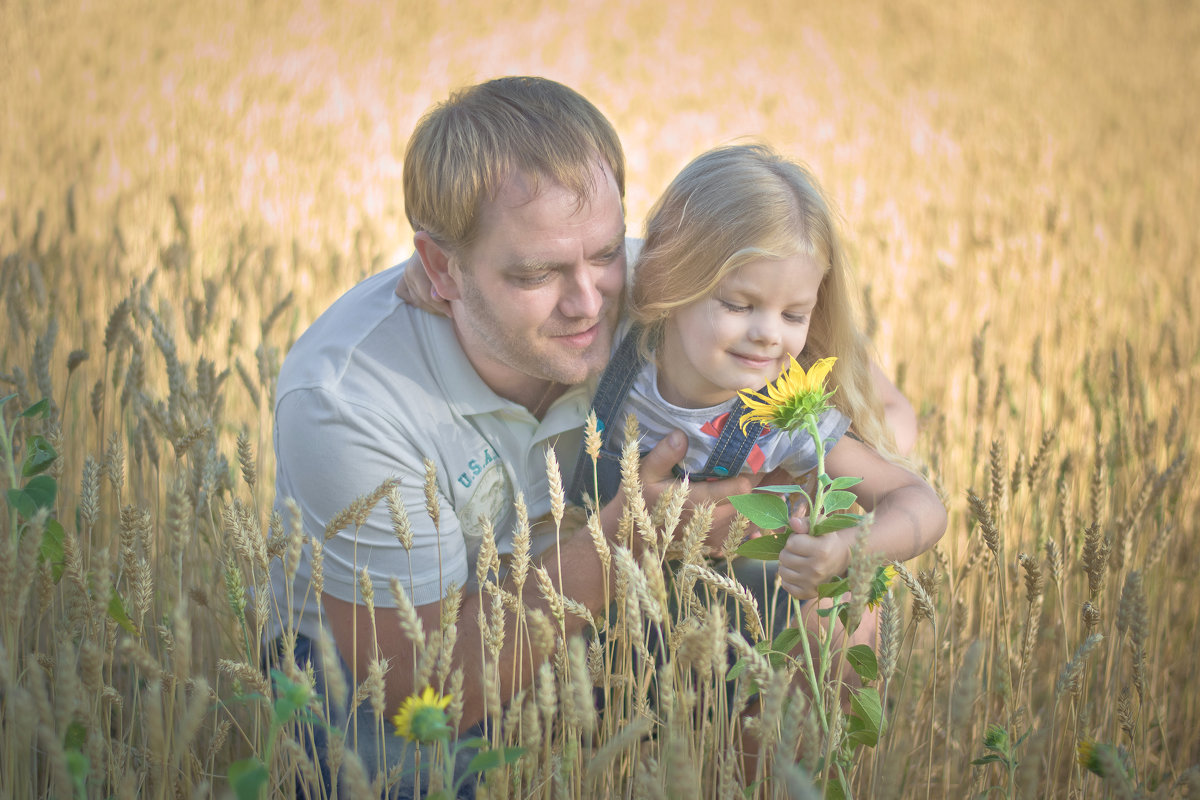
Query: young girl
x: 742, y: 269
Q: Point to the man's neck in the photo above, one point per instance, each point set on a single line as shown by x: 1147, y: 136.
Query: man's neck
x: 535, y: 394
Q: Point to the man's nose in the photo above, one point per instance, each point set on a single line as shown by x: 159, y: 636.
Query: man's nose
x: 582, y: 297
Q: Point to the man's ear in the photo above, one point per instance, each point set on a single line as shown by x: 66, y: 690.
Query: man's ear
x: 437, y: 262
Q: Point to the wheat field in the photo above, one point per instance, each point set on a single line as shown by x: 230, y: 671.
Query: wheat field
x: 185, y: 188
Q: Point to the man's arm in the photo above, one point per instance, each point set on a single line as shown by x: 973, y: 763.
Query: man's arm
x: 582, y: 578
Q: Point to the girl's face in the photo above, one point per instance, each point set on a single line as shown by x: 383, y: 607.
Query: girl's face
x: 740, y: 336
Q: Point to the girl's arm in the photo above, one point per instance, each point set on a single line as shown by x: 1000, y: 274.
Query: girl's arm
x: 909, y: 519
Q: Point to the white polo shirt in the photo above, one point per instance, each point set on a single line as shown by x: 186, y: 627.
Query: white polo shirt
x: 369, y: 392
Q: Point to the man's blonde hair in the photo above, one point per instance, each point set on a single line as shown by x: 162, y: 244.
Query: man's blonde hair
x: 462, y: 151
x: 737, y: 204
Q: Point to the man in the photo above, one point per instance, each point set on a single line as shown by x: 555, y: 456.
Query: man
x: 514, y: 189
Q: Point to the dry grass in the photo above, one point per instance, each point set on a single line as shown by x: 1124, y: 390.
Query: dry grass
x: 184, y: 190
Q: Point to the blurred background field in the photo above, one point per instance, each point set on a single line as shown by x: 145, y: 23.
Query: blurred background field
x: 1019, y: 183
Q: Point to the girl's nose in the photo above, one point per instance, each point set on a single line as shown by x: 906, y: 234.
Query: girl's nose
x: 764, y: 331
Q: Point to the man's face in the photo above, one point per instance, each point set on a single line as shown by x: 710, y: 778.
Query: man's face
x: 540, y: 287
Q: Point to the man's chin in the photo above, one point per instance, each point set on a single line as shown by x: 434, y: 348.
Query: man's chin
x: 574, y: 367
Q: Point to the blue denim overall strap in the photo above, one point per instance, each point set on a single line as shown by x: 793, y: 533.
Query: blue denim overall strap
x: 614, y: 386
x: 727, y: 457
x: 732, y: 447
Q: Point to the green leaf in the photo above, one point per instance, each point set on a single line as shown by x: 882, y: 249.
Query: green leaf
x: 844, y: 482
x: 484, y: 760
x: 836, y: 789
x: 787, y: 488
x: 737, y: 669
x: 247, y: 778
x: 837, y: 501
x: 866, y: 718
x: 862, y: 658
x: 836, y: 608
x: 40, y: 492
x: 833, y: 588
x: 21, y: 503
x: 988, y: 759
x: 39, y: 455
x: 786, y: 640
x: 75, y: 736
x: 764, y: 548
x: 767, y: 511
x: 78, y: 767
x: 835, y: 523
x: 51, y: 548
x: 116, y: 610
x: 4, y: 400
x: 291, y: 696
x: 39, y: 409
x: 490, y: 759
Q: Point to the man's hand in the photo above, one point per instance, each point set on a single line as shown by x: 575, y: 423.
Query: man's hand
x: 808, y: 561
x: 417, y: 290
x: 657, y: 474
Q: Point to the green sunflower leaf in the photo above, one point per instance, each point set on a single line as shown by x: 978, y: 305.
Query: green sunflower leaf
x: 862, y: 659
x: 836, y: 522
x: 784, y: 488
x: 39, y: 455
x: 767, y: 511
x: 764, y: 548
x: 838, y: 501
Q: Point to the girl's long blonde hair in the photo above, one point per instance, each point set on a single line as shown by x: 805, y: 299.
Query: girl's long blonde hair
x: 739, y: 203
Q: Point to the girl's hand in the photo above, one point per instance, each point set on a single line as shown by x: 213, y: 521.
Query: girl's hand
x: 808, y: 561
x: 416, y: 289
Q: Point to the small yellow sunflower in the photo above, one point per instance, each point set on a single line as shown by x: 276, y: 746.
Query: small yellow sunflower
x: 880, y: 585
x: 423, y: 718
x: 791, y: 398
x: 1102, y: 759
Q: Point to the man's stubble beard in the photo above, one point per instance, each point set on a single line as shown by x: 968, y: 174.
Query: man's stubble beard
x: 517, y: 352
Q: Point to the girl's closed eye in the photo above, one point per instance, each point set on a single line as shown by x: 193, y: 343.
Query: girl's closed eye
x: 736, y: 308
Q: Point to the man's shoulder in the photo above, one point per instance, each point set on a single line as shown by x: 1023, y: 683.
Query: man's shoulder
x: 369, y: 344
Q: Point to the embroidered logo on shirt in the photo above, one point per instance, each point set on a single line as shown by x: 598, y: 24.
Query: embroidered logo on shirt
x: 475, y: 467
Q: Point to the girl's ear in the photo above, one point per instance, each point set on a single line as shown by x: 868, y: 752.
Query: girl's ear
x: 438, y: 266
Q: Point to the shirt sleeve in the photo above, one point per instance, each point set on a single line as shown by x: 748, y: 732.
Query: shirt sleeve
x: 331, y: 451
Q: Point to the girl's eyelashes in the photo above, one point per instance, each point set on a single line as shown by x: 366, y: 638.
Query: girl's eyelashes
x: 798, y: 318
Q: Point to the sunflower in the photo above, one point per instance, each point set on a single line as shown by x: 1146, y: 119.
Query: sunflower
x: 423, y: 718
x: 880, y: 584
x: 792, y: 398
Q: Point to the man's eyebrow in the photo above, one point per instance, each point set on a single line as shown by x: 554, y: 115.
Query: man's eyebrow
x: 534, y: 264
x: 616, y: 244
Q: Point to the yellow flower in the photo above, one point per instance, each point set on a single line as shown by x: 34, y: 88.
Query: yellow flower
x: 791, y: 398
x: 880, y: 584
x: 423, y: 719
